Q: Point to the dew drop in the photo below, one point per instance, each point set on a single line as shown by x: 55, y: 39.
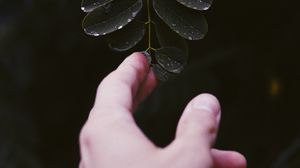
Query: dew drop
x: 206, y: 8
x: 120, y: 27
x: 134, y: 14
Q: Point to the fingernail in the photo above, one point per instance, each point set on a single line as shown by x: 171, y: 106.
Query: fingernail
x: 148, y: 56
x: 207, y: 103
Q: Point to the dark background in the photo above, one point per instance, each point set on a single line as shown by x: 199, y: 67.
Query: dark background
x: 49, y: 72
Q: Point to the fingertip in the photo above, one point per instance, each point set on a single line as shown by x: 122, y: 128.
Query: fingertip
x: 141, y: 56
x: 241, y: 161
x: 200, y: 121
x: 207, y: 102
x: 122, y: 85
x: 136, y: 59
x: 228, y: 159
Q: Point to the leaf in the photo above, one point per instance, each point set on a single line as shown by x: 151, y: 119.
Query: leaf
x: 188, y: 23
x: 171, y: 59
x: 167, y: 38
x: 173, y: 56
x: 111, y: 17
x: 90, y: 5
x: 160, y: 73
x: 196, y: 4
x: 127, y: 37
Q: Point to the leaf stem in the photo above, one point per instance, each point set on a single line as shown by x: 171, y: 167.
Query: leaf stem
x: 149, y: 22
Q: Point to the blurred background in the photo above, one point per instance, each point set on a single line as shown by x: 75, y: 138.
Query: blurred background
x: 49, y: 72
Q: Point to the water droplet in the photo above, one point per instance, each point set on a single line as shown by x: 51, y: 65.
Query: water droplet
x: 134, y: 14
x: 206, y: 8
x: 190, y: 38
x: 120, y: 27
x: 83, y: 8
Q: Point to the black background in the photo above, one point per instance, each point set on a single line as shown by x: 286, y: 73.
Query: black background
x: 49, y: 72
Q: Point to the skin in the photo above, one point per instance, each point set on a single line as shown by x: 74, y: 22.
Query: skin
x: 111, y: 139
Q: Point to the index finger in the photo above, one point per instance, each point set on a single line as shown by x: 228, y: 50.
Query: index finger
x: 117, y: 92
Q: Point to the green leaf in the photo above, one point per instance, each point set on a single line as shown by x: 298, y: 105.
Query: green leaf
x: 160, y: 73
x: 111, y: 17
x: 171, y: 59
x: 167, y: 38
x: 90, y: 5
x: 127, y: 37
x: 189, y: 24
x: 196, y: 4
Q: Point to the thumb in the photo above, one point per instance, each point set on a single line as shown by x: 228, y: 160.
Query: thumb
x: 198, y: 125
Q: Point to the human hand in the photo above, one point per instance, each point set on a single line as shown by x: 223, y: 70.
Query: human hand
x: 111, y: 139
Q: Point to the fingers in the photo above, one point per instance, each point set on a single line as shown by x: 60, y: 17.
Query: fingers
x: 118, y: 91
x: 116, y: 96
x: 147, y: 87
x: 198, y: 125
x: 228, y: 159
x: 196, y: 134
x: 111, y: 115
x: 110, y: 126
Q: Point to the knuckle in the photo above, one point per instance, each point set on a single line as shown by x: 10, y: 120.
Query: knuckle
x: 85, y: 136
x: 104, y: 82
x: 107, y: 79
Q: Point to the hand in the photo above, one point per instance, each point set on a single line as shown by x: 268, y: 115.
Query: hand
x: 111, y: 139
